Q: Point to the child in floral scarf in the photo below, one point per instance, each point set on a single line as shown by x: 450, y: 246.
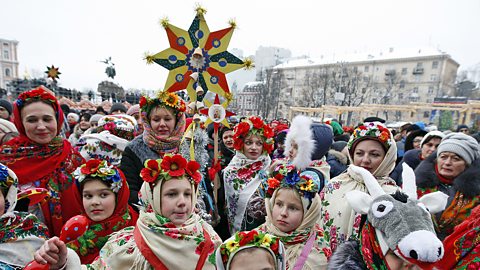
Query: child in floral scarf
x: 245, y: 173
x: 102, y: 194
x: 21, y: 234
x: 293, y: 209
x: 169, y: 234
x: 249, y: 250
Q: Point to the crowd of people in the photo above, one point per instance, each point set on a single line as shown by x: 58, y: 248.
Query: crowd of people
x: 159, y: 192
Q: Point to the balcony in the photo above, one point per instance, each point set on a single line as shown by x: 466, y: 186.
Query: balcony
x: 417, y: 70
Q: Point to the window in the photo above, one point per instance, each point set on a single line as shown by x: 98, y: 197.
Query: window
x: 434, y: 64
x: 429, y: 100
x: 6, y: 54
x: 377, y: 69
x: 374, y: 100
x: 7, y: 72
x: 400, y: 95
x: 366, y: 68
x: 404, y: 71
x: 414, y: 99
x: 419, y: 64
x: 415, y: 90
x: 355, y: 69
x: 402, y: 84
x: 430, y: 89
x: 418, y: 78
x: 433, y: 77
x: 364, y: 90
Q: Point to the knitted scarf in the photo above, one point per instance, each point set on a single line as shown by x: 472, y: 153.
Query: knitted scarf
x: 242, y: 177
x: 159, y: 144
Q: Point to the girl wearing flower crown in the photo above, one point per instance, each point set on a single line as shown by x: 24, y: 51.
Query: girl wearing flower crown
x: 163, y: 119
x: 169, y: 234
x: 243, y: 176
x: 373, y: 148
x: 293, y: 209
x: 102, y: 194
x: 41, y: 158
x: 21, y: 234
x: 250, y: 250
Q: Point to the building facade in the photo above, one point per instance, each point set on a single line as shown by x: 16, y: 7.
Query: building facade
x: 8, y: 61
x: 392, y: 77
x: 247, y: 101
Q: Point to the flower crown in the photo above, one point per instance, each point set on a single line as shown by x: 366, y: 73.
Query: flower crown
x: 5, y: 179
x: 253, y: 126
x: 35, y: 94
x: 252, y: 238
x: 371, y: 129
x: 99, y: 169
x: 171, y: 166
x: 287, y: 176
x: 162, y: 98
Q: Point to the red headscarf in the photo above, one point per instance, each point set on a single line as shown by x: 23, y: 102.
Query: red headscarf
x: 89, y: 244
x: 46, y: 165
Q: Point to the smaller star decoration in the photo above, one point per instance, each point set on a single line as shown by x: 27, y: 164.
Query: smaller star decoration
x: 216, y: 113
x: 52, y: 73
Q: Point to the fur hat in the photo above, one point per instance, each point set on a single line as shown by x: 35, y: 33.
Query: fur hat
x: 461, y: 144
x: 430, y: 135
x: 7, y: 105
x: 301, y: 134
x: 74, y: 115
x: 96, y: 118
x: 118, y: 107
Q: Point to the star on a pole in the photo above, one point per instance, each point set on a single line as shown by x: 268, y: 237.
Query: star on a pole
x: 52, y: 73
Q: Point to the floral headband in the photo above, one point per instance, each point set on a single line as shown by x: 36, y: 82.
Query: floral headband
x: 35, y: 94
x: 252, y: 238
x: 373, y: 130
x: 287, y: 176
x: 253, y: 126
x: 171, y: 166
x: 99, y: 169
x: 162, y: 98
x: 5, y: 179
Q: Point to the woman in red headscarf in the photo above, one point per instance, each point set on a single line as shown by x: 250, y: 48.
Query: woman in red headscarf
x: 41, y: 158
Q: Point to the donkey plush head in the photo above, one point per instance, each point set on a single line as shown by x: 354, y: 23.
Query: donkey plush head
x: 402, y: 224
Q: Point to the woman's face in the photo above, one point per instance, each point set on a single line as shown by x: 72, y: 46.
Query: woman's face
x: 176, y: 199
x: 416, y: 142
x: 253, y: 258
x: 98, y: 200
x: 368, y: 154
x: 4, y: 113
x: 253, y: 147
x: 227, y: 138
x: 287, y: 212
x: 162, y: 121
x: 396, y: 263
x: 71, y: 120
x: 429, y: 147
x: 450, y: 165
x: 39, y: 121
x: 84, y: 124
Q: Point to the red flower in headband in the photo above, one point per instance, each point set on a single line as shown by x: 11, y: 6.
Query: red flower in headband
x: 91, y: 166
x: 247, y: 237
x: 267, y: 131
x: 174, y: 165
x: 257, y: 122
x: 192, y: 170
x: 274, y: 246
x: 143, y: 101
x: 151, y: 171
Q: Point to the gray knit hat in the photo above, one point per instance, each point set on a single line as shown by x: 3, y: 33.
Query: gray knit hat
x: 461, y: 144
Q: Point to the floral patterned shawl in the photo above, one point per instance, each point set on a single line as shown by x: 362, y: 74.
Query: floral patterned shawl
x: 294, y: 242
x: 339, y: 220
x: 242, y: 178
x: 176, y: 247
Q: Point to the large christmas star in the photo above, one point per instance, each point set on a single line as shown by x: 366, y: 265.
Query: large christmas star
x: 198, y: 59
x: 52, y: 73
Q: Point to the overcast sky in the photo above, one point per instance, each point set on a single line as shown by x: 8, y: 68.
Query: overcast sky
x: 76, y: 34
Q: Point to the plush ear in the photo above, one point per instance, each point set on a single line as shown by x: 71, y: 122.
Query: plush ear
x: 371, y: 183
x: 435, y: 201
x: 359, y: 201
x: 409, y: 184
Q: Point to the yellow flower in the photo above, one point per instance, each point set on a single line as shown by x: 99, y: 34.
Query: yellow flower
x: 266, y: 240
x: 231, y: 246
x: 171, y: 100
x: 307, y: 186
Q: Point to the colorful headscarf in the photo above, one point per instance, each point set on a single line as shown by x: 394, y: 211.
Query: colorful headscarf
x: 169, y: 101
x: 89, y: 244
x: 253, y: 126
x: 250, y: 239
x: 46, y: 166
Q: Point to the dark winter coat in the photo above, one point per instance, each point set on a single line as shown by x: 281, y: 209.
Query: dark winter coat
x: 412, y: 158
x: 132, y: 162
x: 347, y: 257
x: 338, y: 162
